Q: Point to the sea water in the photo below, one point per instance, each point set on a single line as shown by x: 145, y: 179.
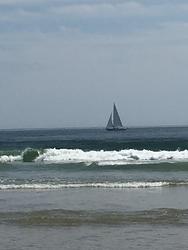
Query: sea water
x: 94, y: 189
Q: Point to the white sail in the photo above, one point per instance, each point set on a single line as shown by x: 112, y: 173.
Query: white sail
x: 114, y: 122
x: 116, y: 119
x: 110, y: 124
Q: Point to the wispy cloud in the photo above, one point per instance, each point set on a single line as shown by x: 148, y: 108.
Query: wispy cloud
x: 17, y: 2
x: 89, y: 16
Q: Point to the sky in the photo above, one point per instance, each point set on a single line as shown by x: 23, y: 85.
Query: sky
x: 64, y: 62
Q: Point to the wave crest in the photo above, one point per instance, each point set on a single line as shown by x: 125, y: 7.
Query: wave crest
x: 102, y: 158
x: 10, y: 158
x: 48, y: 186
x: 30, y: 155
x: 122, y: 157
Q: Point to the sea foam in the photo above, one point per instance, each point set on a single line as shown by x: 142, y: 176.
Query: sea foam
x: 49, y: 186
x: 10, y: 158
x: 102, y: 158
x: 128, y: 156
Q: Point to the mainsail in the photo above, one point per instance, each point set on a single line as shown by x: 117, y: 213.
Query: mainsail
x: 114, y: 122
x: 117, y: 121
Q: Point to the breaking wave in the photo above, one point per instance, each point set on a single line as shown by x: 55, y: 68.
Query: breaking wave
x: 48, y: 186
x: 10, y: 158
x: 123, y: 157
x: 102, y: 158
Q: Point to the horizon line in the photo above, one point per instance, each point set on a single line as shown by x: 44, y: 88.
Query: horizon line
x: 93, y: 127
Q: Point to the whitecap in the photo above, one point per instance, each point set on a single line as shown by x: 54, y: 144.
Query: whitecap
x: 127, y: 156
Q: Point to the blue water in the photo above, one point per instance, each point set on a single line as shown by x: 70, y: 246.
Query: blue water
x: 159, y: 138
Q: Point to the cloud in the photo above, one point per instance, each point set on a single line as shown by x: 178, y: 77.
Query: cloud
x: 17, y: 2
x: 114, y: 17
x: 110, y: 9
x: 103, y: 10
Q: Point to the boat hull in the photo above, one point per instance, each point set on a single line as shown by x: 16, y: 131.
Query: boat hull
x: 116, y: 129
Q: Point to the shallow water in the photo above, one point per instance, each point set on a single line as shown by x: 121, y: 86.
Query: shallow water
x: 94, y: 219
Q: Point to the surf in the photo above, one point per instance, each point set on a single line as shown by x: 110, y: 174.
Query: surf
x: 59, y: 186
x: 101, y: 157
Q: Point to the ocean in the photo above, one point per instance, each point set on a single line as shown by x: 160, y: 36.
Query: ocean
x: 94, y: 189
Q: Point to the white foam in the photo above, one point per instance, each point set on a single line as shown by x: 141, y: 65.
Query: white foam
x: 42, y: 186
x: 10, y: 158
x: 129, y: 156
x: 122, y: 157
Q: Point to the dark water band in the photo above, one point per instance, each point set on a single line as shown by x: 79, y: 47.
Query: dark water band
x: 161, y: 216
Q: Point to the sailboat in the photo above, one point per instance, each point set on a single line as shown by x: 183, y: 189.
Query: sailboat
x: 114, y: 122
